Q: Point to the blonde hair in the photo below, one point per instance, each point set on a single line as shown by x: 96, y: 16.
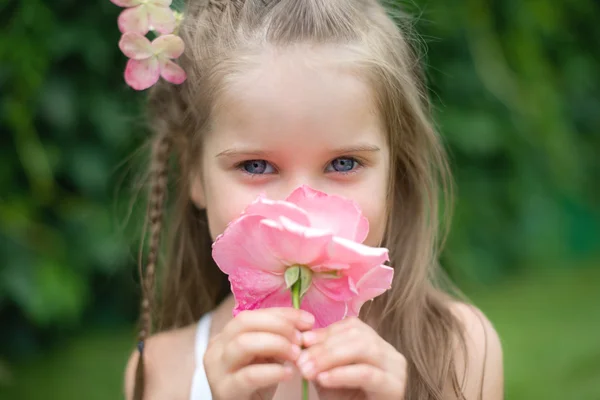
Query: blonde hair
x: 414, y: 315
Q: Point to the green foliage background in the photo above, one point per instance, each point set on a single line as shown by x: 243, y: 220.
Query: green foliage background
x: 516, y: 86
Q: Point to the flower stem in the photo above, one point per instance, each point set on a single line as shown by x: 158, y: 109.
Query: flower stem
x: 296, y: 303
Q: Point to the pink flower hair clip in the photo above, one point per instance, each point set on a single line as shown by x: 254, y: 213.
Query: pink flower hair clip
x: 150, y: 60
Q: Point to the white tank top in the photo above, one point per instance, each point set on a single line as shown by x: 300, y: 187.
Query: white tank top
x: 200, y: 389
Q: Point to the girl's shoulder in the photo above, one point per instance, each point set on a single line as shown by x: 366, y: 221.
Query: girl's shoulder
x: 169, y: 363
x: 482, y: 365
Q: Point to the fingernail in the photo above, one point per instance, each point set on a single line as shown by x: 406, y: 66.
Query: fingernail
x: 302, y: 359
x: 298, y: 337
x: 309, y: 337
x: 296, y: 351
x: 307, y: 368
x: 307, y: 318
x: 323, y: 377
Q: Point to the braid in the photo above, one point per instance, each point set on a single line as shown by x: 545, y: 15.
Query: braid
x: 213, y: 12
x: 160, y: 161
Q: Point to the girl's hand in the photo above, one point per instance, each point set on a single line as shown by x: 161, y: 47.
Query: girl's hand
x: 351, y: 358
x: 245, y: 361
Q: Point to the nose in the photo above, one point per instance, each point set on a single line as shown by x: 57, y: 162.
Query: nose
x: 290, y: 184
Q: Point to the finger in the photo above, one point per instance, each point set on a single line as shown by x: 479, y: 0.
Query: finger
x: 251, y: 345
x: 340, y: 351
x: 315, y: 336
x: 303, y: 319
x: 286, y: 322
x: 252, y: 378
x: 350, y: 341
x: 370, y: 379
x: 344, y: 327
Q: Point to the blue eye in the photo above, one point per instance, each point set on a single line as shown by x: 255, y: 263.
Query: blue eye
x: 257, y: 167
x: 344, y: 164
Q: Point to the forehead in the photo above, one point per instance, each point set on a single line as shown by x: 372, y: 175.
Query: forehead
x: 282, y: 95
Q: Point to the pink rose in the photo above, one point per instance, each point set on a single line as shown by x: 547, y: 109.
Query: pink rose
x: 310, y: 237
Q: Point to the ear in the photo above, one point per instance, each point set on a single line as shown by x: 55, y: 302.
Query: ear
x: 197, y: 190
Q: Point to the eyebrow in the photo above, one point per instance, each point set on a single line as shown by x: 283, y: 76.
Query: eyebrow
x: 233, y: 152
x: 242, y: 152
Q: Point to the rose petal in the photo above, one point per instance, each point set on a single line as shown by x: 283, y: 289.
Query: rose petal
x: 325, y: 310
x: 134, y: 20
x: 169, y: 46
x: 142, y: 74
x: 252, y: 287
x: 354, y: 259
x: 172, y: 72
x: 272, y: 209
x: 296, y: 244
x: 281, y: 297
x: 338, y: 289
x: 329, y: 266
x: 161, y: 19
x: 344, y: 251
x: 135, y: 46
x: 372, y: 284
x: 244, y: 245
x: 337, y: 214
x: 126, y: 3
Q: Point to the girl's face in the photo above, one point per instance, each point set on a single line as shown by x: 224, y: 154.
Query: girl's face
x: 293, y: 120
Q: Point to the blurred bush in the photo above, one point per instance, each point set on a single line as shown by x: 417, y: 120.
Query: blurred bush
x: 68, y: 123
x: 516, y: 90
x: 518, y: 94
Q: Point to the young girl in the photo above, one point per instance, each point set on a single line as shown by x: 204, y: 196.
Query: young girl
x: 281, y: 93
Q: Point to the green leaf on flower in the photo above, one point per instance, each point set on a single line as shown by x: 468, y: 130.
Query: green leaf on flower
x: 291, y: 275
x: 305, y: 280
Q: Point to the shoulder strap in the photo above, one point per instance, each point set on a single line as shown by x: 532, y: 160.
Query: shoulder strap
x: 200, y: 389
